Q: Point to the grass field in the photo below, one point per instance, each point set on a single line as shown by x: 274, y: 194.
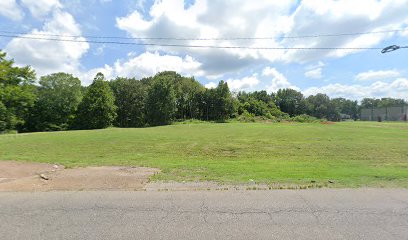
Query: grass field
x: 350, y: 153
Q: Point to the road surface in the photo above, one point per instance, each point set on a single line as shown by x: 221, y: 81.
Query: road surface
x: 284, y: 214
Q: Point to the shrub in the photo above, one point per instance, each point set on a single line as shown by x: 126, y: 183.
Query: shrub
x: 246, y: 117
x: 188, y: 121
x: 304, y: 118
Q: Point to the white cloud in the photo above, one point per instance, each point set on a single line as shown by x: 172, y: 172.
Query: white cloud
x: 314, y: 71
x: 246, y: 83
x: 10, y: 9
x: 148, y: 64
x: 145, y: 65
x: 211, y: 85
x: 377, y: 75
x: 316, y: 17
x: 133, y: 23
x: 87, y: 77
x: 211, y: 19
x: 50, y: 56
x: 41, y: 8
x: 396, y: 89
x: 319, y: 64
x: 265, y: 18
x: 279, y: 81
x: 99, y: 51
x: 314, y: 74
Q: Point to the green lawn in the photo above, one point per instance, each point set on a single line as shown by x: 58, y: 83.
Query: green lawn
x: 351, y: 153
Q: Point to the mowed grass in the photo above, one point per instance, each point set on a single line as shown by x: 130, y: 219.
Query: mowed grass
x: 350, y: 153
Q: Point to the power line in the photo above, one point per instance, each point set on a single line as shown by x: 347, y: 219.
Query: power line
x: 189, y: 46
x: 206, y: 39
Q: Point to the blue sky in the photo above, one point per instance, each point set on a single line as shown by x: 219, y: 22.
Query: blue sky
x: 339, y: 73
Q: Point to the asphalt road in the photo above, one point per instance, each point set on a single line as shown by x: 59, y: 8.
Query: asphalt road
x: 286, y: 214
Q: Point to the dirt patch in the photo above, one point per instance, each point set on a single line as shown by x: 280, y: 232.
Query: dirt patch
x: 11, y: 170
x: 327, y: 123
x: 19, y: 176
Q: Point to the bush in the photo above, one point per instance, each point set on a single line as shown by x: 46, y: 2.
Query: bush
x: 188, y: 121
x: 8, y: 132
x: 282, y: 118
x: 304, y: 118
x: 246, y: 117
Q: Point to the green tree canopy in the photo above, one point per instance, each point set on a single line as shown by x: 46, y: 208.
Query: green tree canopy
x: 58, y: 97
x: 130, y: 97
x: 290, y: 101
x: 346, y: 106
x: 258, y: 103
x: 16, y: 93
x: 161, y: 101
x: 97, y: 109
x: 383, y: 102
x: 185, y: 90
x: 223, y: 103
x: 321, y: 106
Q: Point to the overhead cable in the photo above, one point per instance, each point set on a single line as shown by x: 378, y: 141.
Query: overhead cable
x: 203, y: 39
x: 81, y: 40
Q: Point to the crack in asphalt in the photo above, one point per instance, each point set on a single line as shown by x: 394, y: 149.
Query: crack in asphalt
x: 161, y: 220
x: 310, y: 207
x: 205, y: 211
x: 204, y: 216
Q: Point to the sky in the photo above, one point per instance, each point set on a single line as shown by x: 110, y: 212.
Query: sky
x: 353, y: 74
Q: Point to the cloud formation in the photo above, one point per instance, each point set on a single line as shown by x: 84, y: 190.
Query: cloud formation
x: 145, y: 65
x: 211, y: 19
x: 11, y: 10
x: 396, y: 89
x: 279, y: 81
x: 243, y: 84
x: 377, y: 75
x: 273, y: 19
x: 51, y: 56
x: 277, y: 21
x: 41, y: 8
x: 314, y: 17
x: 314, y: 73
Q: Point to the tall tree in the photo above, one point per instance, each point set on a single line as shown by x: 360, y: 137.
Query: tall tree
x: 97, y: 109
x: 161, y: 101
x: 17, y: 94
x: 391, y: 102
x: 3, y: 117
x: 321, y: 106
x: 58, y: 97
x: 290, y: 101
x: 383, y: 102
x: 369, y: 102
x: 223, y: 103
x: 185, y: 90
x: 346, y: 106
x: 130, y: 97
x: 258, y: 104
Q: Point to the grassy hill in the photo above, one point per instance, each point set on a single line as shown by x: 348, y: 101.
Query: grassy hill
x: 350, y: 153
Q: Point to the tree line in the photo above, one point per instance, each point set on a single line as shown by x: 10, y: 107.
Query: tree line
x: 59, y: 102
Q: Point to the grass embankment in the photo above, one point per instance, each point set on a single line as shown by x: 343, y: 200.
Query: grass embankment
x: 351, y: 153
